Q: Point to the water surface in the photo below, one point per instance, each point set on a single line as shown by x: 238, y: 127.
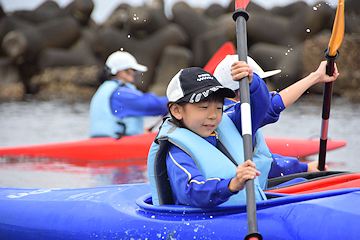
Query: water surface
x: 27, y: 123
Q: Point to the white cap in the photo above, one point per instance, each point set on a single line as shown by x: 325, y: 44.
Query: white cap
x: 223, y: 71
x: 119, y: 60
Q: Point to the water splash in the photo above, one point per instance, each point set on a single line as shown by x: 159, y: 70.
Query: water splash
x: 135, y: 17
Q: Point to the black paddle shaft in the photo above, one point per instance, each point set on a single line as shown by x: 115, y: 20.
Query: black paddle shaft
x: 240, y: 16
x: 330, y: 67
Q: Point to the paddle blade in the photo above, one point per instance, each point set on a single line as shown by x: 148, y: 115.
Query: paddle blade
x: 227, y: 48
x: 241, y: 4
x: 338, y: 29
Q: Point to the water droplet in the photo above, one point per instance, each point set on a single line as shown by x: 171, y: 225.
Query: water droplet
x: 121, y: 49
x: 286, y: 54
x: 314, y: 8
x: 129, y: 36
x: 308, y: 30
x: 271, y: 57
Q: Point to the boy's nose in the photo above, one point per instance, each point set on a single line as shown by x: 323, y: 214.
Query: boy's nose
x: 212, y: 114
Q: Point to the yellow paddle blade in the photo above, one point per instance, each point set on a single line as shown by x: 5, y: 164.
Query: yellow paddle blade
x: 338, y: 29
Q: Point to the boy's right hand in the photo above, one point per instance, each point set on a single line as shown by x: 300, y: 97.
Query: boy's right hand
x: 245, y: 171
x: 240, y: 70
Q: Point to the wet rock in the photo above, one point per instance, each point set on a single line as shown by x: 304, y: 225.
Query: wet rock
x: 271, y: 57
x: 348, y: 83
x: 28, y: 42
x: 352, y: 6
x: 119, y: 17
x: 11, y: 87
x: 200, y: 29
x: 50, y: 36
x: 45, y: 12
x: 79, y: 54
x: 111, y: 39
x: 215, y: 10
x: 68, y: 83
x: 172, y: 60
x: 290, y: 30
x: 80, y: 10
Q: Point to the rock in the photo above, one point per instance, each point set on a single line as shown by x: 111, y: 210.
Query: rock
x: 271, y: 57
x: 288, y: 30
x: 10, y: 86
x: 69, y: 83
x: 47, y: 11
x: 348, y: 83
x: 79, y: 54
x: 111, y: 39
x: 172, y: 60
x: 80, y: 10
x: 26, y: 43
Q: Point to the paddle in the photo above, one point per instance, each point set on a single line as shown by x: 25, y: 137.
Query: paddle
x: 240, y: 16
x: 226, y: 49
x: 331, y: 54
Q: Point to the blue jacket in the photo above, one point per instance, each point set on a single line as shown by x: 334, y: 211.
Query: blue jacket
x: 210, y: 160
x: 282, y: 165
x: 118, y: 109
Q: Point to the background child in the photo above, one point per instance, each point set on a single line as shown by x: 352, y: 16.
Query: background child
x: 118, y: 108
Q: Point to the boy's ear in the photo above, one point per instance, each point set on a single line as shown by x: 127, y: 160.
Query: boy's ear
x: 176, y: 111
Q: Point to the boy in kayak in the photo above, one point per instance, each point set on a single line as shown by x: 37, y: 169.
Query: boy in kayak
x: 118, y: 108
x: 227, y: 70
x: 198, y: 152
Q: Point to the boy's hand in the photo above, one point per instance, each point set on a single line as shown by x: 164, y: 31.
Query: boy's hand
x: 313, y: 167
x: 245, y: 171
x: 240, y: 70
x: 321, y: 73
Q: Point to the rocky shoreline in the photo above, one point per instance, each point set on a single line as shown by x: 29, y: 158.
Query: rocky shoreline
x: 66, y: 66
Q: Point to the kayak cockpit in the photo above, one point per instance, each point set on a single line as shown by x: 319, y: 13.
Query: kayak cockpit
x: 301, y: 187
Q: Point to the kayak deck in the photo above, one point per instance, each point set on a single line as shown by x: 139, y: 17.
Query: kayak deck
x: 125, y: 212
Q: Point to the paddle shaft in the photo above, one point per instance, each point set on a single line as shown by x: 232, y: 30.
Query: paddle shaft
x: 240, y: 16
x: 327, y: 95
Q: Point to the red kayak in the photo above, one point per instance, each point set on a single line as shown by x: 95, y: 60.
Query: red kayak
x: 135, y: 148
x: 328, y: 182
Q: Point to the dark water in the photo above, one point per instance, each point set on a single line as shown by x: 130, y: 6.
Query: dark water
x: 29, y: 123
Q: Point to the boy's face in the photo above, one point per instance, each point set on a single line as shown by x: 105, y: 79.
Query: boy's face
x: 202, y: 118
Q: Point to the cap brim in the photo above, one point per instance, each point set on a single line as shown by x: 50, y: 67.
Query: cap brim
x: 140, y: 68
x: 269, y: 73
x: 226, y: 92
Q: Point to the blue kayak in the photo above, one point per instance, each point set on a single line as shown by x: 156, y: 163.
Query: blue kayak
x: 126, y: 212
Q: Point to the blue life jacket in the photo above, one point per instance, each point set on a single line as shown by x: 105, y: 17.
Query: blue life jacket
x: 103, y: 123
x: 211, y: 162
